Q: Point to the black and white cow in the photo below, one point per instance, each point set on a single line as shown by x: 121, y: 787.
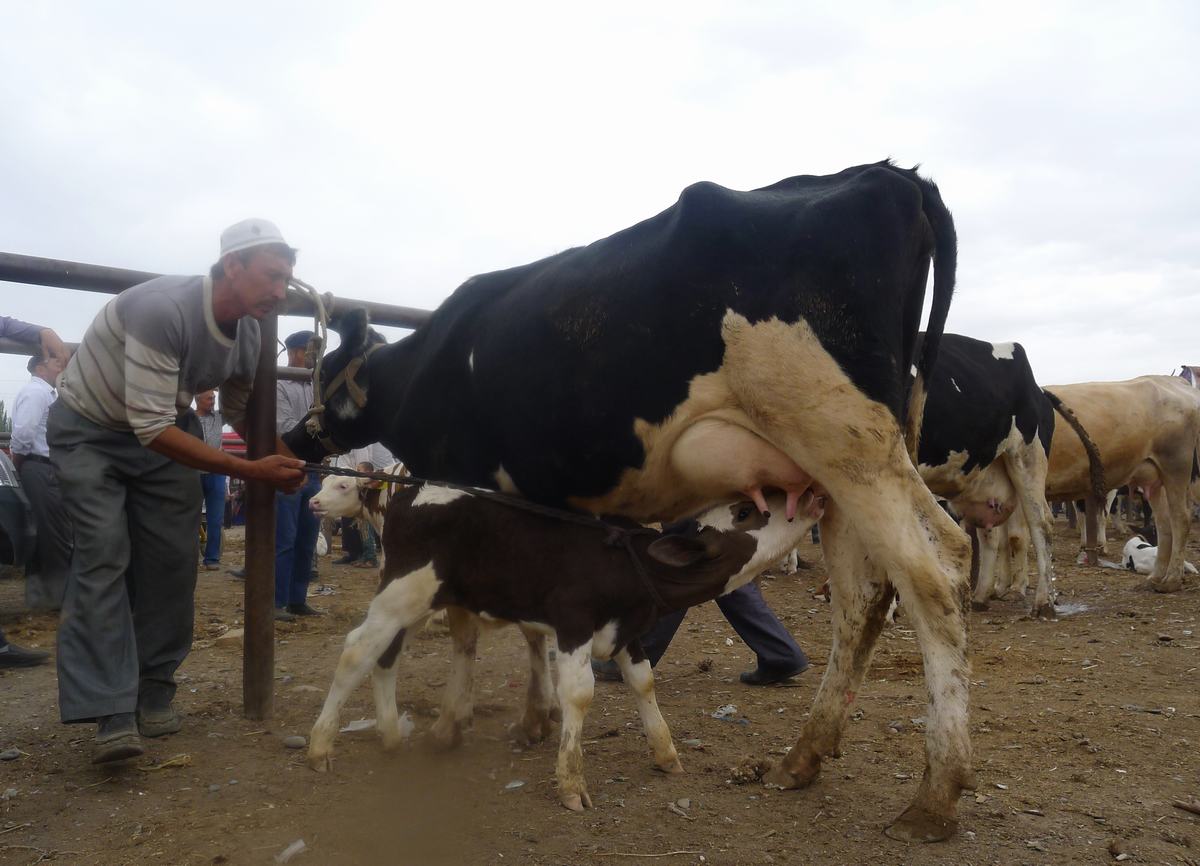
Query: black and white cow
x: 984, y: 446
x: 736, y: 342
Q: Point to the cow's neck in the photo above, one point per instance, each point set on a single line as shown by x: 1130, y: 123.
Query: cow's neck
x: 389, y: 368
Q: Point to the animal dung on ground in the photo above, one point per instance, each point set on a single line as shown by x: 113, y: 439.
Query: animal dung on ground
x: 725, y: 713
x: 295, y: 741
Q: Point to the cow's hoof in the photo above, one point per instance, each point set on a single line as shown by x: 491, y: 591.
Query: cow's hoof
x: 322, y: 762
x: 576, y: 801
x: 1012, y: 595
x: 978, y: 605
x: 671, y: 766
x: 1173, y: 585
x: 556, y: 714
x: 1045, y: 612
x: 918, y: 825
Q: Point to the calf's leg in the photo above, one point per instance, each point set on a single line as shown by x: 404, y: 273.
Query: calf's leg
x: 401, y: 604
x: 989, y: 545
x: 576, y: 685
x: 457, y: 701
x: 539, y: 698
x: 639, y: 677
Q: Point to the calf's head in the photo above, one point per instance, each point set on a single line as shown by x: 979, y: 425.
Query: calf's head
x: 339, y: 497
x: 737, y: 540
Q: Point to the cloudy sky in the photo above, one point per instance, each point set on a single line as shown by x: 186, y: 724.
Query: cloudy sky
x: 404, y: 147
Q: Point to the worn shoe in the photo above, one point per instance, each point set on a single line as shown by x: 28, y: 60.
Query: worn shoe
x: 116, y: 739
x: 346, y: 560
x: 13, y: 656
x: 766, y: 676
x: 367, y: 563
x: 238, y: 573
x: 158, y: 721
x: 608, y: 672
x: 304, y: 610
x: 284, y: 615
x: 212, y: 566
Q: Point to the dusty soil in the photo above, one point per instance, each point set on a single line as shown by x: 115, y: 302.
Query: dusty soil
x: 1085, y: 731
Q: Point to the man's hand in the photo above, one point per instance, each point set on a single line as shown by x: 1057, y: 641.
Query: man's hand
x: 53, y: 346
x: 282, y: 473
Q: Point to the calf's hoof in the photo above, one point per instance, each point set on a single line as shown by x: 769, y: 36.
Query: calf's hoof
x: 322, y: 762
x: 920, y: 825
x: 444, y: 737
x: 576, y: 801
x: 671, y: 766
x: 531, y: 730
x: 781, y: 777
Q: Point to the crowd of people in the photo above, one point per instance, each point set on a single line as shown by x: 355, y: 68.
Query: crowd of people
x: 113, y: 423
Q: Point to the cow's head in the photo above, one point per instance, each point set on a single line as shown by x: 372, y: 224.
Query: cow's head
x: 339, y: 497
x: 340, y: 422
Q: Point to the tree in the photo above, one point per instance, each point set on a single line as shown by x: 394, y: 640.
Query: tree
x: 5, y: 420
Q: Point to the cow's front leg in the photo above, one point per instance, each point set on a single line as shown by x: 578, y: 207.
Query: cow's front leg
x: 458, y: 700
x: 1171, y: 520
x: 860, y: 597
x: 540, y: 707
x: 639, y: 677
x: 576, y: 684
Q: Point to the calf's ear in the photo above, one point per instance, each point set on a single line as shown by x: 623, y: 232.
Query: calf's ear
x: 678, y: 550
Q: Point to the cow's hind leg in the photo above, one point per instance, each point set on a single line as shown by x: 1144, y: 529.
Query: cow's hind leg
x: 576, y: 685
x: 1027, y: 469
x: 400, y: 605
x: 860, y: 596
x: 1171, y: 519
x: 457, y: 701
x: 639, y: 677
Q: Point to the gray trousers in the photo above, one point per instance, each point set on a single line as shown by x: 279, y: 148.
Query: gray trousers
x: 46, y: 575
x: 127, y: 617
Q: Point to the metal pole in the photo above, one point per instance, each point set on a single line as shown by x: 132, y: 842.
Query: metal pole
x: 38, y: 271
x: 258, y: 654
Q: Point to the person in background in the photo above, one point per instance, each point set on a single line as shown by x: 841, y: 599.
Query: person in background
x: 779, y: 656
x: 126, y: 446
x: 44, y: 342
x: 213, y: 484
x: 296, y: 527
x: 46, y: 579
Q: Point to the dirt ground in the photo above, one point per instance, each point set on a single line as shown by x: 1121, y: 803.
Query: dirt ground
x: 1085, y: 730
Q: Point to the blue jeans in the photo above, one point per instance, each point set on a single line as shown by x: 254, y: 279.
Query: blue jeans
x: 754, y: 621
x: 296, y: 529
x: 214, y: 513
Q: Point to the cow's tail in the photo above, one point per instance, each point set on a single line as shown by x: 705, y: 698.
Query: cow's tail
x: 945, y: 264
x: 1095, y: 464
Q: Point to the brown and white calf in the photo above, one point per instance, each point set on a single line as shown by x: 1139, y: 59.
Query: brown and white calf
x: 356, y: 498
x: 449, y: 548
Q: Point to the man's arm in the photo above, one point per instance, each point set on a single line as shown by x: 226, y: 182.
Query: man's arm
x: 281, y: 471
x: 50, y: 343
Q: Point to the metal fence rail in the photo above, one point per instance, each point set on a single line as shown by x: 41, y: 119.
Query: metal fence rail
x: 259, y: 647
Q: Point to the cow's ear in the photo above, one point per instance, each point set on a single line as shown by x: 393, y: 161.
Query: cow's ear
x: 678, y: 550
x: 353, y: 326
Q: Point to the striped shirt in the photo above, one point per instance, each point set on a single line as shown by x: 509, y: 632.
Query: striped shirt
x: 151, y: 350
x: 212, y: 425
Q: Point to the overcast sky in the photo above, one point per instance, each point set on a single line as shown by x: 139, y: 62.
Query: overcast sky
x: 404, y: 147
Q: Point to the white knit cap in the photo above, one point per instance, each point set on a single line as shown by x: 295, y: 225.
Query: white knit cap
x: 250, y: 233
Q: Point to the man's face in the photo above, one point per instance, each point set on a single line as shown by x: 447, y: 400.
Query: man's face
x: 49, y: 369
x: 205, y: 401
x: 298, y: 358
x: 260, y: 283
